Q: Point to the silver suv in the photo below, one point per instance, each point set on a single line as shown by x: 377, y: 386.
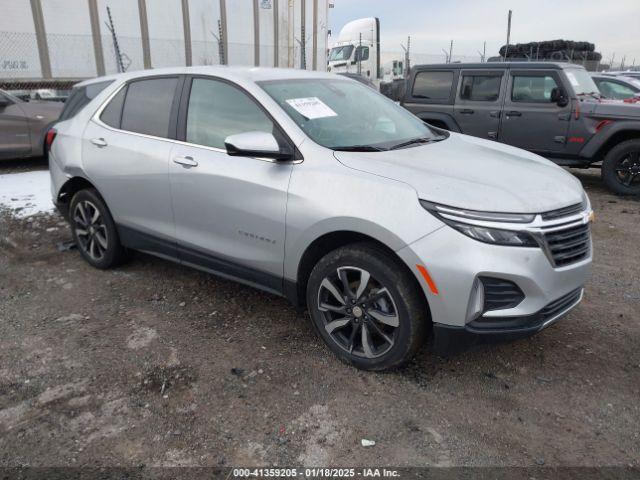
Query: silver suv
x: 319, y: 189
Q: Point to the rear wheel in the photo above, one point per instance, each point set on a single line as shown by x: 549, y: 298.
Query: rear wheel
x: 366, y: 307
x: 94, y: 230
x: 621, y: 168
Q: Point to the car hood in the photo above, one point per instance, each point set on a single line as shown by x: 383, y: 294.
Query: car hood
x: 468, y: 172
x: 617, y: 109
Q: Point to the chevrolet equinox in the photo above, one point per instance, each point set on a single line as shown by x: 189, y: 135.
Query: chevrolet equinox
x: 319, y: 189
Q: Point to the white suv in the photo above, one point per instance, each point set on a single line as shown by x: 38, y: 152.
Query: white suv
x: 317, y: 188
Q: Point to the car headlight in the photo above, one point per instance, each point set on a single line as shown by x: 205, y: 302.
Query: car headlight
x: 467, y: 222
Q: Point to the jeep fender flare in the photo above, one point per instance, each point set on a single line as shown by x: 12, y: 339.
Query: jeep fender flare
x: 443, y: 118
x: 595, y: 144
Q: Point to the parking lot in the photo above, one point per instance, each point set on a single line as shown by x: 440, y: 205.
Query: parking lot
x: 157, y: 364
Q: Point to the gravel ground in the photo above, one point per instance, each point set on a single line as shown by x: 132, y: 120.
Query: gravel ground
x: 157, y: 364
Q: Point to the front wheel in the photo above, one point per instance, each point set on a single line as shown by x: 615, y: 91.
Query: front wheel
x: 621, y: 168
x: 367, y: 307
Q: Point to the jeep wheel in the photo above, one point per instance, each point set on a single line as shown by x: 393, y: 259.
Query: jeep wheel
x: 621, y: 168
x: 367, y: 307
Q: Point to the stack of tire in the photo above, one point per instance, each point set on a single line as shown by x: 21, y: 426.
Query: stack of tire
x: 553, y: 50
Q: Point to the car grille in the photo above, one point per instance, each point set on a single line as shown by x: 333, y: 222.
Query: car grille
x: 569, y: 245
x: 558, y: 306
x: 532, y: 322
x: 563, y: 212
x: 500, y: 294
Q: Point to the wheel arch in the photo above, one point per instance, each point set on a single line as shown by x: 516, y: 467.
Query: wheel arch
x: 616, y: 135
x: 296, y: 291
x: 69, y: 189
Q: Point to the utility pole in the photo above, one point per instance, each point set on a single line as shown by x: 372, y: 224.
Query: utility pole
x: 116, y: 46
x: 506, y: 48
x: 359, y: 54
x: 450, y: 51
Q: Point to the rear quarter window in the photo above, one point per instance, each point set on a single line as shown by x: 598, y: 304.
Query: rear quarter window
x: 80, y: 98
x: 433, y: 85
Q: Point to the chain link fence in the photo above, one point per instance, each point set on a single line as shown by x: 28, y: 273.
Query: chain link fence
x: 72, y: 58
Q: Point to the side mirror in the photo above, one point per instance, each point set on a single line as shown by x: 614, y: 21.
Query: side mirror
x: 255, y: 144
x: 4, y: 102
x: 559, y: 97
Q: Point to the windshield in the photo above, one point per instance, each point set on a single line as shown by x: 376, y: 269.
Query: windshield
x: 340, y: 53
x: 344, y: 114
x: 581, y: 81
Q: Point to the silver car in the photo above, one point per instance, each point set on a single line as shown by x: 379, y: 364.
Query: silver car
x: 317, y: 188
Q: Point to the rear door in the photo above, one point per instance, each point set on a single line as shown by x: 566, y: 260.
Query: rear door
x: 478, y: 102
x: 15, y: 141
x: 530, y: 120
x: 126, y: 155
x: 430, y: 96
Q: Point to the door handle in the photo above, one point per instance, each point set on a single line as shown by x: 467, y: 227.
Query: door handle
x: 466, y: 111
x: 185, y: 161
x: 495, y: 114
x: 493, y: 135
x: 99, y: 142
x: 513, y: 113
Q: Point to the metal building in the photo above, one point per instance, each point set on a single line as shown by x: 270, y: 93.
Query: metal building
x: 65, y: 40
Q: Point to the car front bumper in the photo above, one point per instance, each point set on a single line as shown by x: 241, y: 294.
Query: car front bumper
x: 455, y: 264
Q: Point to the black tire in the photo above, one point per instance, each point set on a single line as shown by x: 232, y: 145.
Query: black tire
x: 621, y: 168
x: 390, y: 293
x: 98, y: 241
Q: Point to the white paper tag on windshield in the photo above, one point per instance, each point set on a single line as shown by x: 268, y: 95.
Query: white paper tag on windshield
x: 572, y: 79
x: 311, y: 107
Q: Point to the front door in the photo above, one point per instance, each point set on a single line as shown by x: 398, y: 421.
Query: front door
x: 126, y: 153
x: 478, y: 102
x: 530, y: 119
x: 14, y: 130
x: 229, y: 211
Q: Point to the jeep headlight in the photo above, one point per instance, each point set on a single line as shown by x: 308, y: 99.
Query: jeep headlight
x: 475, y: 224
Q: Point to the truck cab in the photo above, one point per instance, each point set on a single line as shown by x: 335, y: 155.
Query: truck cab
x: 552, y: 109
x: 358, y: 50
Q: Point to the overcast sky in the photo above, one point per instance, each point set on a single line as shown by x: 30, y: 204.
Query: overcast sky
x: 613, y: 25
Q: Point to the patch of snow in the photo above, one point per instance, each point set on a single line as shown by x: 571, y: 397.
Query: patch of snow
x: 26, y: 193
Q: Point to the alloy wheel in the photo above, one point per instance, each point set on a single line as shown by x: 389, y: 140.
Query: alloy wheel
x: 90, y: 229
x: 358, y: 312
x: 628, y: 169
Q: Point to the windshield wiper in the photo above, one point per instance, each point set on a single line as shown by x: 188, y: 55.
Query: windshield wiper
x: 414, y: 141
x: 358, y: 148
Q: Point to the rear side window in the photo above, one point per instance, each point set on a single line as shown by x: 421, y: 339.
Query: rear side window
x: 362, y: 53
x: 533, y: 89
x: 433, y: 85
x: 80, y: 97
x: 112, y: 113
x: 147, y: 106
x: 480, y: 88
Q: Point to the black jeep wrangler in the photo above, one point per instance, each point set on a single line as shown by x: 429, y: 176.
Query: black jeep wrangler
x: 552, y: 109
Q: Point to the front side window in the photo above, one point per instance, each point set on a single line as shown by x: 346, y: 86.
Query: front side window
x: 533, y: 89
x: 614, y: 90
x: 341, y: 114
x: 340, y: 53
x: 217, y: 110
x: 147, y: 106
x: 480, y: 88
x: 433, y: 85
